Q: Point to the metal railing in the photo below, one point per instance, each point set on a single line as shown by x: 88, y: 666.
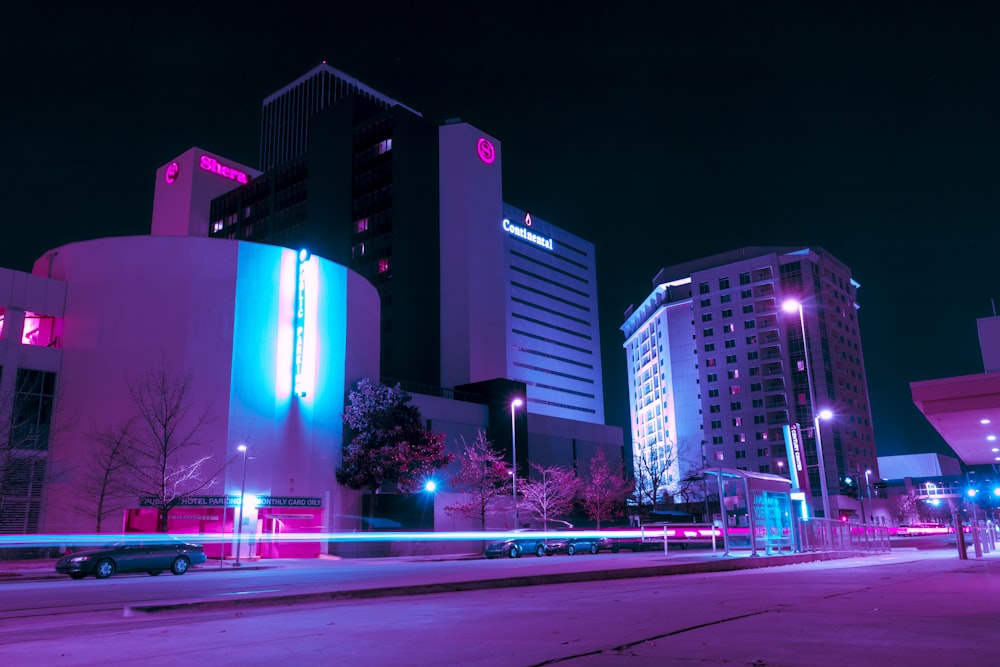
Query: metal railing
x: 832, y: 535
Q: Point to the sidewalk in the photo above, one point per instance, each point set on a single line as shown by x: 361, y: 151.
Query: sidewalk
x: 355, y: 580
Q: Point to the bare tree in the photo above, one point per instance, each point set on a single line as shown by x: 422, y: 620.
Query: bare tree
x: 483, y: 479
x: 604, y: 491
x: 551, y: 495
x: 652, y: 476
x: 106, y: 467
x: 166, y: 462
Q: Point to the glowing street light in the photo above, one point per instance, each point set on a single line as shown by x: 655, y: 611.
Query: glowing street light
x: 516, y: 403
x: 791, y: 306
x: 243, y: 492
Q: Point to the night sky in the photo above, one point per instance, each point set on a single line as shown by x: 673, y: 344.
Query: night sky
x: 660, y: 131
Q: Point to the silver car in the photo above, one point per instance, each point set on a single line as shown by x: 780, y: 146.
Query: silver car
x: 526, y: 541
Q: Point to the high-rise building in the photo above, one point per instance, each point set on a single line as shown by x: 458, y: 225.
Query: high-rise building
x: 718, y: 368
x: 284, y: 127
x: 471, y: 289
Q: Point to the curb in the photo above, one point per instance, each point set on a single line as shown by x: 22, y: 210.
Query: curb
x: 482, y: 584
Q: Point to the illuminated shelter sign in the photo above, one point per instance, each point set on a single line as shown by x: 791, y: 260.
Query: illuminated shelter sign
x: 526, y: 234
x: 301, y: 283
x: 796, y: 457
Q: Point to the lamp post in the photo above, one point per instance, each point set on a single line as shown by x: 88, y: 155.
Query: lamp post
x: 868, y: 489
x: 516, y: 403
x: 243, y: 491
x: 791, y: 306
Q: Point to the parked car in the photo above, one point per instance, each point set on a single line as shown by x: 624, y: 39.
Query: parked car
x: 575, y: 545
x: 528, y: 540
x: 152, y: 556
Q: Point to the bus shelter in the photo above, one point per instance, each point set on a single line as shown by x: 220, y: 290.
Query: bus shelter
x: 755, y: 510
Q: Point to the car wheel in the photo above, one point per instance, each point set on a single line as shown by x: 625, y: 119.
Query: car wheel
x: 594, y: 548
x: 180, y: 565
x: 104, y: 568
x: 514, y: 552
x: 540, y: 550
x: 615, y: 548
x: 77, y: 575
x: 154, y: 573
x: 570, y: 549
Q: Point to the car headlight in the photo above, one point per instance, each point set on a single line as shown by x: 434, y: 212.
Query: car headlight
x: 79, y: 559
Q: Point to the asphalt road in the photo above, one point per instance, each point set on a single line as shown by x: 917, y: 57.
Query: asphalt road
x: 911, y: 607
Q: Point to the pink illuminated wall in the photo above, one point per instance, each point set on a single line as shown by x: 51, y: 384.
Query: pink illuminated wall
x: 223, y: 311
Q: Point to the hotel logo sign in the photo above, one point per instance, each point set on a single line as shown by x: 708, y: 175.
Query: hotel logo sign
x: 526, y: 234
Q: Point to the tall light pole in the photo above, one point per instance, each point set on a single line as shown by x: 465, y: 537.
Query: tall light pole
x: 868, y: 488
x: 516, y: 403
x: 791, y: 306
x: 243, y: 492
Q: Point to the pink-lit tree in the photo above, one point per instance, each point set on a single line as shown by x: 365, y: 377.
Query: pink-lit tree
x: 165, y: 461
x: 483, y: 480
x: 550, y: 495
x: 390, y: 443
x: 604, y: 491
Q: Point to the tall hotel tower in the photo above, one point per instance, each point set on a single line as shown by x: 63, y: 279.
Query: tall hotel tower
x: 718, y: 368
x: 472, y: 290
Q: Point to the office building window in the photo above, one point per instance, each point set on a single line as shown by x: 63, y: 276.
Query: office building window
x: 749, y: 324
x: 745, y: 278
x: 703, y: 288
x: 723, y: 283
x: 705, y: 303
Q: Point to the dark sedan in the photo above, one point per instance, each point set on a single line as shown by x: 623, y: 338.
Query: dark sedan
x: 152, y: 556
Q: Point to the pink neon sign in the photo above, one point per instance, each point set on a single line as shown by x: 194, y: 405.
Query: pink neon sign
x: 216, y: 167
x: 485, y: 150
x: 172, y: 169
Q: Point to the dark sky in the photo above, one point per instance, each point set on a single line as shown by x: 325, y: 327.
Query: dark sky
x: 661, y: 131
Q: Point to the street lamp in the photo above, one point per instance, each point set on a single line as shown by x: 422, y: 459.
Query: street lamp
x: 516, y: 403
x: 868, y: 488
x: 791, y: 306
x: 243, y: 491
